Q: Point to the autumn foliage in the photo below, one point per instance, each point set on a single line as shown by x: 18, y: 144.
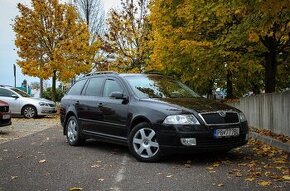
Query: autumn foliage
x: 238, y: 45
x: 51, y: 41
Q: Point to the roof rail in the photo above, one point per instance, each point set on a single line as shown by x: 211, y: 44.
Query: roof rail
x: 152, y: 72
x: 100, y: 72
x: 5, y: 85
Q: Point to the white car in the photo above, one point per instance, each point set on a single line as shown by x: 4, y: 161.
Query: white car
x: 21, y: 103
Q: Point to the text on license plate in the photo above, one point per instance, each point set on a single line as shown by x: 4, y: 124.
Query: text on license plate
x: 6, y: 116
x: 226, y: 132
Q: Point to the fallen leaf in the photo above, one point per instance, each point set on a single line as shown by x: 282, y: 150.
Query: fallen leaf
x: 42, y: 161
x: 238, y: 174
x: 209, y: 168
x: 101, y: 179
x: 286, y: 177
x: 250, y: 179
x: 169, y: 176
x: 264, y: 183
x: 75, y: 189
x: 215, y: 164
x: 187, y: 165
x: 20, y: 156
x: 220, y: 185
x: 95, y: 166
x: 211, y: 171
x: 13, y: 177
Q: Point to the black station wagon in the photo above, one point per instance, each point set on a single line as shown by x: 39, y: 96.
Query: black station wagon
x: 153, y: 114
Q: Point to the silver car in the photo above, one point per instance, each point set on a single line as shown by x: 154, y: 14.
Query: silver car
x: 21, y: 103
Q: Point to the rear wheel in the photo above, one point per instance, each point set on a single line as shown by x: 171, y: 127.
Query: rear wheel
x: 143, y: 143
x: 29, y: 112
x: 73, y: 133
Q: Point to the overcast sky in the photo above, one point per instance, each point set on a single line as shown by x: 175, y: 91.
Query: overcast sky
x: 8, y: 53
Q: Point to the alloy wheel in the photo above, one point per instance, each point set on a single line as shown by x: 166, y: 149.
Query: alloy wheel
x: 72, y: 131
x: 145, y: 143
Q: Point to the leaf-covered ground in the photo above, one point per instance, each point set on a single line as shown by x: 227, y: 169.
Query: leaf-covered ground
x: 260, y: 164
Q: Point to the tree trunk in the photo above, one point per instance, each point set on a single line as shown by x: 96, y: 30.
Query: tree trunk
x: 230, y: 94
x: 41, y: 88
x: 270, y: 71
x: 255, y: 88
x: 53, y: 91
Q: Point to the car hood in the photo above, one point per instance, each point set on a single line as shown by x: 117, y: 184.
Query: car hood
x: 38, y: 100
x: 197, y: 104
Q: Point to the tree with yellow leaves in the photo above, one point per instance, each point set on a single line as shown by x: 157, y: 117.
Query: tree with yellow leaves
x: 127, y: 36
x: 212, y: 43
x: 52, y: 42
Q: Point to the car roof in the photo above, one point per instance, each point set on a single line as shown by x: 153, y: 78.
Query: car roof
x: 111, y: 73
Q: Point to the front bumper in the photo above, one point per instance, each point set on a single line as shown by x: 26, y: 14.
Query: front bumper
x: 46, y: 110
x: 169, y: 138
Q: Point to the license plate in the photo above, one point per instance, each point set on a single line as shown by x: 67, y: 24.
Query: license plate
x: 6, y: 116
x: 226, y: 132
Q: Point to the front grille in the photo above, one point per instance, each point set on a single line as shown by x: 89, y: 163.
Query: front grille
x: 217, y: 119
x: 4, y: 108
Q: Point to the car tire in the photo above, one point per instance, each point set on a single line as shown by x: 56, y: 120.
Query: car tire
x: 29, y: 111
x: 73, y: 132
x: 143, y: 143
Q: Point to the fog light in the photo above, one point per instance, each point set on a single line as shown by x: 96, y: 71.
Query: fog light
x: 247, y: 136
x: 188, y: 141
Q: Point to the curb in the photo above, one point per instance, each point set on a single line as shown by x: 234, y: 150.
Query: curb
x: 273, y: 142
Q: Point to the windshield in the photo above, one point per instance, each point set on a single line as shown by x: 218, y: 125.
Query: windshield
x: 157, y: 86
x: 20, y: 92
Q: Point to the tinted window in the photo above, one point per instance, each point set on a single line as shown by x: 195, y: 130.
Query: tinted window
x: 94, y: 87
x: 156, y: 86
x: 112, y: 86
x: 20, y: 92
x: 5, y: 93
x: 77, y: 88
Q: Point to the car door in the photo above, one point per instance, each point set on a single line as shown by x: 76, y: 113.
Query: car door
x: 114, y: 111
x: 91, y: 114
x: 14, y: 103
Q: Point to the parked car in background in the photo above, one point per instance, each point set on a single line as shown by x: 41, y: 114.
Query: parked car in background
x: 21, y: 103
x: 5, y: 116
x: 152, y: 114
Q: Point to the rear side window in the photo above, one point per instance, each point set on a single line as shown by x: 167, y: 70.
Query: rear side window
x: 94, y: 87
x: 77, y: 88
x: 112, y: 86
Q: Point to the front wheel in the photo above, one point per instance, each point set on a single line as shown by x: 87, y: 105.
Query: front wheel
x: 29, y: 112
x: 143, y: 143
x: 73, y: 134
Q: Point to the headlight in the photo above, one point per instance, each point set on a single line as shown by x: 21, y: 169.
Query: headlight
x: 181, y: 120
x: 242, y: 117
x: 43, y: 104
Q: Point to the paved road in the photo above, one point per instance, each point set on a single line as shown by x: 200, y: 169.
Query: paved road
x: 45, y: 161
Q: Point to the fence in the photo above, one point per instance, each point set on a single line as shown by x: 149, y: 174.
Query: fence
x: 267, y: 111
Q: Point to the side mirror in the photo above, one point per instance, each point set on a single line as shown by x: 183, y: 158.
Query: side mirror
x: 15, y: 96
x: 117, y: 95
